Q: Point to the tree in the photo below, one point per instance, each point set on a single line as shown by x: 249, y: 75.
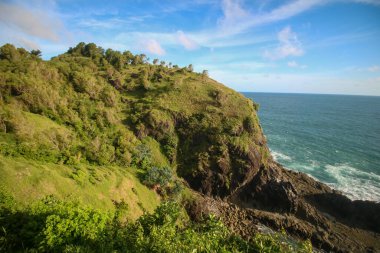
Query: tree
x: 115, y: 58
x: 190, y: 68
x: 205, y: 72
x: 128, y: 57
x: 143, y: 57
x: 9, y: 52
x: 91, y: 50
x: 155, y: 61
x: 36, y: 52
x: 158, y: 176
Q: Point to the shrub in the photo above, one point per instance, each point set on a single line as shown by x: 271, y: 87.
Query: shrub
x: 156, y: 176
x: 143, y: 157
x: 56, y: 226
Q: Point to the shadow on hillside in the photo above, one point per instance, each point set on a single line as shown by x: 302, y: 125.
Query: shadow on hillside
x: 358, y: 213
x: 25, y: 231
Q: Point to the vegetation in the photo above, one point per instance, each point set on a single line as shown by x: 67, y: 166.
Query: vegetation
x: 110, y: 136
x: 56, y: 226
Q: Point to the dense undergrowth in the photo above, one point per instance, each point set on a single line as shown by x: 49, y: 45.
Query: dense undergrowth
x: 55, y: 226
x: 110, y: 135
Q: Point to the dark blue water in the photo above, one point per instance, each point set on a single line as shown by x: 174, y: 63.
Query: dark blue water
x: 333, y: 138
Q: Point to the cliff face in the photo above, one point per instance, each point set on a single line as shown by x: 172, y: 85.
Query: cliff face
x: 216, y: 141
x: 112, y: 108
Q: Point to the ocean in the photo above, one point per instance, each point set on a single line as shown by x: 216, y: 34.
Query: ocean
x: 333, y: 138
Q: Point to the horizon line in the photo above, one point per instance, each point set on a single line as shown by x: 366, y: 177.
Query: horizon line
x: 310, y: 93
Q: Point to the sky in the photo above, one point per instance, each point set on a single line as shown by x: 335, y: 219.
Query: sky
x: 288, y: 46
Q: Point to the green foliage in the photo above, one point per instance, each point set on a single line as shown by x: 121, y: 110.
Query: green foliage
x: 156, y: 176
x: 169, y: 146
x: 55, y: 226
x: 143, y: 157
x: 52, y: 225
x: 163, y: 181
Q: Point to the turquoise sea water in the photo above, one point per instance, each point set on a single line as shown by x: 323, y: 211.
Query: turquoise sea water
x: 333, y: 138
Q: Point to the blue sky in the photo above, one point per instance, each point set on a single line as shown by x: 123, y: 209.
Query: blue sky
x: 302, y: 46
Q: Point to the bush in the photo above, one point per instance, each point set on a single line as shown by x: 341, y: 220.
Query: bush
x: 56, y: 226
x: 52, y: 225
x: 156, y: 176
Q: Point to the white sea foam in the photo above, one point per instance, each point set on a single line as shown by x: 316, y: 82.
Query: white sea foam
x: 280, y: 156
x: 356, y: 184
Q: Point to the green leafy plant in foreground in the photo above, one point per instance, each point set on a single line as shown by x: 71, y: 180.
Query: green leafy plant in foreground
x: 56, y: 226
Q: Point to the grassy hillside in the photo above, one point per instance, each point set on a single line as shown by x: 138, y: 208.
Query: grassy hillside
x: 96, y: 107
x: 103, y: 137
x: 96, y: 186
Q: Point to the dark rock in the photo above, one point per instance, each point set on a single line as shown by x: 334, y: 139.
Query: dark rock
x: 305, y: 208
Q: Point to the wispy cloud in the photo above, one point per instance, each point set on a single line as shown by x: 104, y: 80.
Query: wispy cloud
x: 153, y: 47
x: 294, y: 64
x: 236, y: 19
x: 36, y: 23
x: 241, y: 66
x: 103, y: 24
x: 304, y: 83
x: 374, y: 68
x: 289, y: 45
x: 185, y: 41
x: 115, y: 22
x: 233, y: 14
x: 354, y: 36
x: 373, y: 2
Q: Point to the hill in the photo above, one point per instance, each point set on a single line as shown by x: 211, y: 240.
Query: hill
x: 94, y: 143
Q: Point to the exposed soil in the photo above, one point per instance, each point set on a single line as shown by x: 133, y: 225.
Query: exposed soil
x: 306, y: 209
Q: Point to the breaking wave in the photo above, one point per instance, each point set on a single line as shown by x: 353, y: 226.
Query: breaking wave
x: 356, y: 184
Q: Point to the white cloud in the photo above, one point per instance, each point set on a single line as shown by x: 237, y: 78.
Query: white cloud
x: 236, y: 19
x: 289, y: 45
x: 340, y: 39
x: 185, y: 41
x: 233, y: 14
x: 373, y: 2
x: 152, y: 46
x: 374, y: 68
x: 241, y: 66
x: 294, y: 64
x: 28, y: 44
x: 32, y: 22
x: 298, y: 83
x: 111, y: 23
x: 102, y: 24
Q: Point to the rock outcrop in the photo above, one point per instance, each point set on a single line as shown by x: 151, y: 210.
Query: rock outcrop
x: 306, y: 209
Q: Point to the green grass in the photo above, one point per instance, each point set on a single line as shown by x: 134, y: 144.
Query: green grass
x: 96, y: 186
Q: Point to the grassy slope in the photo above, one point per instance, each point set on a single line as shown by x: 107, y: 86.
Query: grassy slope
x: 95, y: 186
